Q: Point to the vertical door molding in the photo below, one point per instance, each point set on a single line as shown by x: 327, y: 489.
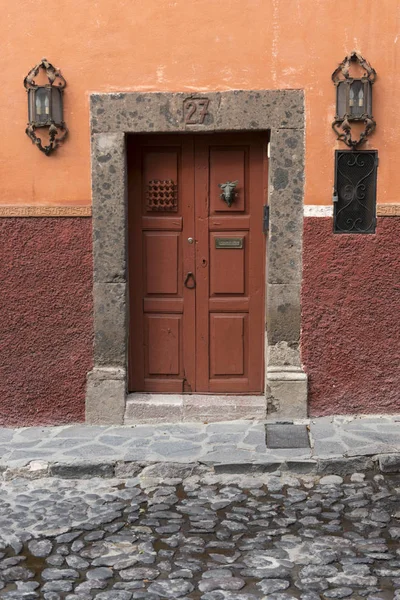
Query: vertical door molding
x: 112, y: 117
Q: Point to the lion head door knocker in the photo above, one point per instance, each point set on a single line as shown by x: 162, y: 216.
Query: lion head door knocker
x: 228, y: 194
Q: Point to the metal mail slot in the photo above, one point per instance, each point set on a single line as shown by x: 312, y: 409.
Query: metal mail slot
x: 229, y: 243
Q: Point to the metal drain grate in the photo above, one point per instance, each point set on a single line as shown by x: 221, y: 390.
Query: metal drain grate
x: 281, y: 435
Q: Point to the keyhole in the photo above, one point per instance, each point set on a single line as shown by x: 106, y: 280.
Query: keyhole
x: 203, y: 262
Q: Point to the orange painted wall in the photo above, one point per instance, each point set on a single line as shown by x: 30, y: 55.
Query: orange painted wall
x: 186, y: 45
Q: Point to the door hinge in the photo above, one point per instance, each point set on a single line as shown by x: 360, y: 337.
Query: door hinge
x: 265, y: 218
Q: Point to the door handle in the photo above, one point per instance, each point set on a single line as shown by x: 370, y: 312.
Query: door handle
x: 189, y: 277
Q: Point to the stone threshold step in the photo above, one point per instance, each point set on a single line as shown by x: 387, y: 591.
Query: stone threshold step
x: 144, y: 408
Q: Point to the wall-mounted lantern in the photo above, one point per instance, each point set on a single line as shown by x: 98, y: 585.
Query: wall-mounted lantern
x: 45, y: 106
x: 353, y: 98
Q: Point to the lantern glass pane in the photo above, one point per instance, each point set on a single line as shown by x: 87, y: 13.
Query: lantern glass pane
x: 57, y: 107
x: 368, y: 97
x: 341, y: 94
x: 42, y: 106
x: 356, y: 99
x: 31, y: 105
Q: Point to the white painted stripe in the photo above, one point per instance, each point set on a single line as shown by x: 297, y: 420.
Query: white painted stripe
x: 316, y: 210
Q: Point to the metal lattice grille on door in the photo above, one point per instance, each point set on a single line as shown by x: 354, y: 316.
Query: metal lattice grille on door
x: 162, y: 195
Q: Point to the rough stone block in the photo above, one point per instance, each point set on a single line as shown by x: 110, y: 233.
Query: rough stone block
x: 284, y: 313
x: 302, y: 466
x: 109, y: 207
x: 259, y: 110
x: 110, y: 321
x: 344, y: 466
x: 125, y: 470
x: 286, y: 393
x: 241, y: 468
x: 286, y: 206
x: 105, y: 396
x: 81, y: 470
x: 153, y: 408
x: 331, y: 480
x: 34, y: 470
x: 171, y: 470
x: 389, y: 463
x: 231, y: 413
x: 137, y: 112
x: 283, y: 354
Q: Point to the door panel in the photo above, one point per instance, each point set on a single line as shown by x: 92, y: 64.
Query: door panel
x: 227, y: 333
x: 209, y: 338
x: 163, y: 345
x: 161, y: 262
x: 230, y: 264
x: 227, y: 164
x: 227, y: 265
x: 161, y: 216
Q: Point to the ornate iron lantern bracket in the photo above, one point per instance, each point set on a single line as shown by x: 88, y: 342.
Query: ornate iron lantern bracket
x: 45, y: 106
x: 353, y: 99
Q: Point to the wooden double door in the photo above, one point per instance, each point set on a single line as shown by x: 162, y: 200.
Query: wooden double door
x: 196, y: 263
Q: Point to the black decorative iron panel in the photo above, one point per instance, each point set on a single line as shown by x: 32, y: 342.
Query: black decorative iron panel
x: 354, y: 199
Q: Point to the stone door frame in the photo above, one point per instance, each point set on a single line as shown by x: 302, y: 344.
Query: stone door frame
x: 112, y: 117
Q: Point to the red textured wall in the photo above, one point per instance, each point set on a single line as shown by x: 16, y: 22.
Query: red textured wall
x: 350, y: 325
x: 45, y: 319
x: 351, y: 318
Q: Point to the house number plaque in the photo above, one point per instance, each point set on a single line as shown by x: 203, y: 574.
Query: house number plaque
x: 195, y: 110
x: 230, y: 243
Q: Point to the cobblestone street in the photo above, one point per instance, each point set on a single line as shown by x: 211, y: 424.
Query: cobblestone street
x: 176, y: 531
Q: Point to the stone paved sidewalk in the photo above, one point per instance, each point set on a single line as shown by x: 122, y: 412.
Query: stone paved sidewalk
x: 337, y: 445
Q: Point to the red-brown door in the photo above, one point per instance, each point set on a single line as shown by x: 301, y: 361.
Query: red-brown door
x: 196, y: 263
